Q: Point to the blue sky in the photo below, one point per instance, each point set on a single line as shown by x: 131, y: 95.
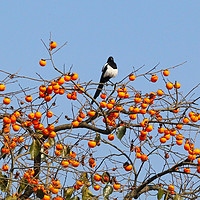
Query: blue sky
x: 135, y: 33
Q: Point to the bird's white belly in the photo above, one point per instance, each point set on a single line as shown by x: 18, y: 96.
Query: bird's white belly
x: 110, y: 72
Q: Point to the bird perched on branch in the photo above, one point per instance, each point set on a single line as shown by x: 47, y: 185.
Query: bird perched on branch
x: 109, y: 71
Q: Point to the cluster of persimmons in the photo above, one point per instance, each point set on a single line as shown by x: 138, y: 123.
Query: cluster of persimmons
x: 126, y: 107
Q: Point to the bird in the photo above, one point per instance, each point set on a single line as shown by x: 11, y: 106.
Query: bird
x: 109, y: 71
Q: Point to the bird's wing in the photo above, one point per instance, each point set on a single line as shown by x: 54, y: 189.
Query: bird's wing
x: 104, y: 68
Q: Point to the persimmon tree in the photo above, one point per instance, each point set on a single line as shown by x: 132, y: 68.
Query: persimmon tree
x: 128, y: 145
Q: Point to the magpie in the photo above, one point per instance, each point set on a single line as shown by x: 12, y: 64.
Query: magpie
x: 109, y: 71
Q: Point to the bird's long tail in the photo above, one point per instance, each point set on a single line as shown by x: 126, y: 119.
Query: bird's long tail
x: 98, y: 91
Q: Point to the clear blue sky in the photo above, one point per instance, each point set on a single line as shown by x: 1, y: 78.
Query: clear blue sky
x: 133, y: 32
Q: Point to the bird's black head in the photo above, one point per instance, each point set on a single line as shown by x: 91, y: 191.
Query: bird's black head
x: 110, y: 59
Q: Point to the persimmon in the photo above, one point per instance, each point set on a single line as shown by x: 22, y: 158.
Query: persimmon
x: 54, y: 190
x: 16, y: 113
x: 52, y: 134
x: 57, y: 152
x: 50, y: 127
x: 46, y: 197
x: 166, y: 72
x: 61, y: 91
x: 82, y: 115
x: 74, y: 76
x: 128, y: 167
x: 143, y: 111
x: 31, y: 115
x: 5, y: 167
x: 149, y: 128
x: 38, y: 115
x: 163, y: 140
x: 137, y: 149
x: 142, y: 138
x: 75, y: 123
x: 80, y: 183
x: 20, y: 139
x: 186, y: 120
x: 121, y: 94
x: 173, y: 132
x: 103, y: 96
x: 143, y: 133
x: 119, y: 108
x: 59, y: 146
x: 47, y: 98
x: 138, y: 155
x: 198, y: 161
x: 112, y: 101
x: 15, y: 127
x: 46, y: 145
x: 169, y: 86
x: 132, y: 77
x: 72, y: 154
x: 154, y: 78
x: 116, y: 186
x: 144, y: 157
x: 28, y: 98
x: 6, y: 100
x: 137, y: 99
x: 109, y: 106
x: 167, y: 136
x: 92, y: 144
x: 194, y: 118
x: 2, y: 87
x: 132, y: 116
x: 79, y: 119
x: 96, y: 187
x: 179, y: 126
x: 196, y: 151
x: 177, y: 85
x: 43, y: 62
x: 186, y: 147
x: 187, y: 170
x: 179, y: 142
x: 65, y: 163
x: 49, y: 89
x: 144, y: 105
x: 49, y: 114
x: 161, y: 130
x: 67, y: 77
x: 61, y: 81
x: 144, y: 123
x: 171, y: 188
x: 6, y: 120
x: 69, y: 95
x: 160, y: 93
x: 75, y: 163
x: 191, y: 157
x: 45, y: 132
x: 97, y: 177
x: 111, y: 137
x: 42, y: 88
x: 91, y: 113
x: 176, y: 110
x: 152, y: 95
x: 53, y: 45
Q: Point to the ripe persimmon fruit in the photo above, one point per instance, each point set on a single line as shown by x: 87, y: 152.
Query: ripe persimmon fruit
x: 166, y: 72
x: 92, y: 144
x: 53, y: 45
x: 132, y: 77
x: 43, y: 62
x: 154, y: 78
